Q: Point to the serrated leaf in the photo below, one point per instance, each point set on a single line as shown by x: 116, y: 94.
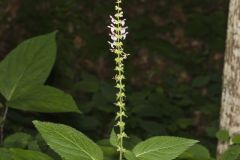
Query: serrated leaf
x: 113, y: 138
x: 164, y: 148
x: 231, y: 154
x: 69, y: 143
x: 44, y: 99
x: 222, y: 135
x: 27, y: 65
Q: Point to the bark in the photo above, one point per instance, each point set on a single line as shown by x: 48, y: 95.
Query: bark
x: 230, y: 109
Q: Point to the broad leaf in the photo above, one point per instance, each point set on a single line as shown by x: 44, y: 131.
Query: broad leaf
x: 44, y: 99
x: 129, y: 155
x: 196, y: 152
x: 20, y: 154
x: 162, y: 148
x: 27, y: 65
x: 69, y: 143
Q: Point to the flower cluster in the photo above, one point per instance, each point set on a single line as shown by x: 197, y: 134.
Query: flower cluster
x: 118, y: 34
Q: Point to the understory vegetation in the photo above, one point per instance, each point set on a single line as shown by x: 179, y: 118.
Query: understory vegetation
x: 57, y: 89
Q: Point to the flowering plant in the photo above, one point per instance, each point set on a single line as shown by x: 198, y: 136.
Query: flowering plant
x: 24, y: 90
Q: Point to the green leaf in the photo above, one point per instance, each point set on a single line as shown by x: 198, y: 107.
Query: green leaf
x: 20, y: 154
x: 5, y: 154
x: 196, y: 152
x: 44, y: 99
x: 17, y: 140
x: 222, y: 135
x: 69, y: 143
x: 129, y: 155
x: 164, y: 148
x: 27, y: 65
x: 113, y: 138
x: 231, y: 154
x: 236, y: 139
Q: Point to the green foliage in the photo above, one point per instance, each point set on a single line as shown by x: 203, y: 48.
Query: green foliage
x: 186, y: 67
x: 222, y: 135
x: 113, y: 138
x: 23, y: 72
x: 17, y: 140
x: 231, y: 154
x: 20, y: 154
x: 196, y: 152
x: 27, y: 65
x: 164, y: 148
x: 236, y: 139
x: 44, y: 99
x: 68, y: 142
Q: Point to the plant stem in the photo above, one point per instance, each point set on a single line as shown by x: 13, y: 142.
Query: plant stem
x: 2, y: 123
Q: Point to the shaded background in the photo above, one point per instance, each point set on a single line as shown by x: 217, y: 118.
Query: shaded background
x: 173, y: 73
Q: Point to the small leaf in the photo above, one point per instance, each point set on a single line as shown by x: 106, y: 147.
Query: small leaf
x: 44, y: 99
x: 231, y: 154
x: 69, y: 143
x: 236, y: 139
x: 113, y: 138
x: 222, y: 135
x: 162, y: 148
x: 27, y: 65
x: 130, y: 156
x: 17, y: 140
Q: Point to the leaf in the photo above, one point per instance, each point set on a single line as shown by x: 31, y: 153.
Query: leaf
x: 69, y: 143
x: 113, y: 138
x: 222, y: 135
x: 236, y: 139
x: 20, y: 154
x: 196, y: 152
x: 164, y: 148
x: 27, y: 65
x: 18, y: 140
x: 44, y: 99
x: 231, y: 154
x: 129, y: 155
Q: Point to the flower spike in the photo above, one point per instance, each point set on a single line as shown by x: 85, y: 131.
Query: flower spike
x: 118, y: 33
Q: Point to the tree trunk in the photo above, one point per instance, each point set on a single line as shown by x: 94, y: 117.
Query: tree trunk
x: 230, y: 109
